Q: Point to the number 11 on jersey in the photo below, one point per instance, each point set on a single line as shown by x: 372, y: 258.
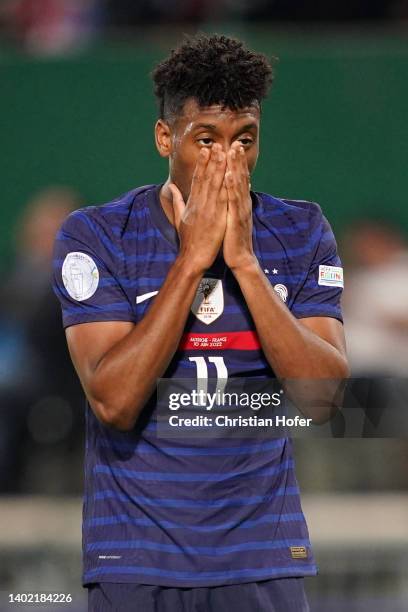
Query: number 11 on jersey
x: 202, y: 374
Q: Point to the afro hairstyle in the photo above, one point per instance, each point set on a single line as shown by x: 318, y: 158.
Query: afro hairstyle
x: 212, y: 69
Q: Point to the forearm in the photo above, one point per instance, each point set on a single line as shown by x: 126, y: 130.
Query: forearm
x: 292, y: 350
x: 125, y: 377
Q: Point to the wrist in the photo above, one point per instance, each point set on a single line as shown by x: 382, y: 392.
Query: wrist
x: 188, y: 267
x: 246, y: 266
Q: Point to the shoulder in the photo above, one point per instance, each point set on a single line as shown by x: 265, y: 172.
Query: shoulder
x: 112, y: 218
x: 299, y: 209
x: 103, y: 231
x: 296, y: 221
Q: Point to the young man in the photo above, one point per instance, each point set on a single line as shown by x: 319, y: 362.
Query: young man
x: 175, y: 524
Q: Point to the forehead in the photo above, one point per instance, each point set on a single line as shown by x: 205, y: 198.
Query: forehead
x: 193, y: 115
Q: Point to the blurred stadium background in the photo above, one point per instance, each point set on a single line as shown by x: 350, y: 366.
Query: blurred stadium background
x: 76, y: 114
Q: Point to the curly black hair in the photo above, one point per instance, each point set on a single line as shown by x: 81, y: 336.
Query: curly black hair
x: 212, y: 69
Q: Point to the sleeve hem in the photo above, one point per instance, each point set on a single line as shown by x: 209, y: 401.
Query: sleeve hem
x: 69, y: 322
x: 301, y: 315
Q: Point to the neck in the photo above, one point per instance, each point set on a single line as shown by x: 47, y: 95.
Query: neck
x: 166, y: 200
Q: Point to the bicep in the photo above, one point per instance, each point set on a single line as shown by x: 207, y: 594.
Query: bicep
x: 88, y: 343
x: 329, y: 329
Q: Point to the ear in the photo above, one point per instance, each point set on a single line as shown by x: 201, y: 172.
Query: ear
x: 162, y: 132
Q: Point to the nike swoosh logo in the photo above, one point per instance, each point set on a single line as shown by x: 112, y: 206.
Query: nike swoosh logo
x: 145, y: 296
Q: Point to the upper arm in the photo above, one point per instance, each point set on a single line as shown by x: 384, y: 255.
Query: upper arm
x: 89, y: 275
x: 96, y: 311
x: 319, y: 295
x: 88, y: 343
x: 318, y: 302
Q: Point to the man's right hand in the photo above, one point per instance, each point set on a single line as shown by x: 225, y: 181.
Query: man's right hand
x: 201, y: 223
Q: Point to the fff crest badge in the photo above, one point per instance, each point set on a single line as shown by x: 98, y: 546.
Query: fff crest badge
x: 208, y: 303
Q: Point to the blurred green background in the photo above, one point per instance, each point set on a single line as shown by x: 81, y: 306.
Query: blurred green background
x: 334, y: 128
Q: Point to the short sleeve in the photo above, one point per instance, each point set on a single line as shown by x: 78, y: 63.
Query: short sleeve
x: 86, y: 275
x: 321, y: 292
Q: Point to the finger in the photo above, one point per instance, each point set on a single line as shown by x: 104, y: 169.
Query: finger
x: 243, y: 162
x: 233, y: 168
x: 232, y: 158
x: 178, y: 204
x: 199, y: 170
x: 231, y: 191
x: 229, y: 180
x: 236, y: 145
x: 212, y: 162
x: 216, y: 172
x: 235, y: 149
x: 223, y: 195
x: 239, y: 167
x: 238, y: 154
x: 244, y: 183
x: 242, y: 165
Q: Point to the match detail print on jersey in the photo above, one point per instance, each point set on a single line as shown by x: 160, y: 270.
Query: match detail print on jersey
x: 80, y: 275
x: 208, y: 303
x: 239, y: 341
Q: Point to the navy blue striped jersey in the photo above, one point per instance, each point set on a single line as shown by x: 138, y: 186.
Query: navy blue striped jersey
x: 187, y: 512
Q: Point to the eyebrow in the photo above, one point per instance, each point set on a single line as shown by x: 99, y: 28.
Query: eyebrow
x: 205, y: 126
x: 248, y: 127
x: 211, y: 127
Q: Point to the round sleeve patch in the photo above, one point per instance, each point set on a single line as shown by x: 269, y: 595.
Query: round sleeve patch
x: 80, y: 275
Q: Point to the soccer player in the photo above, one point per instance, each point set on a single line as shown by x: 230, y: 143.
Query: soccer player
x: 146, y: 282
